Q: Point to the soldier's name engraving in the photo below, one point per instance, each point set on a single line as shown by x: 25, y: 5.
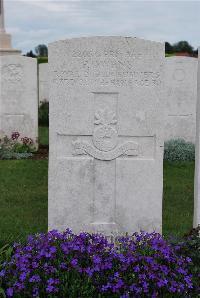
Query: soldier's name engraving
x: 106, y: 52
x: 131, y: 52
x: 115, y: 78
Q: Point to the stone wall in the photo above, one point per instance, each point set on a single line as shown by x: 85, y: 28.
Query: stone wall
x: 43, y: 83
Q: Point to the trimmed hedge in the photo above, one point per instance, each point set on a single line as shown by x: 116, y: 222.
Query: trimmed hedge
x: 44, y: 114
x: 179, y: 150
x: 42, y: 60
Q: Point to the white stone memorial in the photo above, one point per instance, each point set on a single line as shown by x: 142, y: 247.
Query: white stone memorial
x: 181, y: 94
x: 43, y: 83
x: 196, y: 220
x: 106, y: 135
x: 19, y: 96
x: 5, y: 38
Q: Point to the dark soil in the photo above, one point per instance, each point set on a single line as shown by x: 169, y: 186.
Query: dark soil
x: 42, y: 153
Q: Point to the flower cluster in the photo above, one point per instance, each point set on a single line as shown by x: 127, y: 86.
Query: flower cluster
x: 27, y: 141
x: 16, y: 147
x: 15, y: 135
x: 189, y: 246
x: 59, y: 264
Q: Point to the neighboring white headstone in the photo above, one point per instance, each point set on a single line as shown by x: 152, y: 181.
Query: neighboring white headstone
x: 106, y: 134
x: 196, y: 220
x: 181, y: 94
x: 19, y: 96
x: 43, y: 83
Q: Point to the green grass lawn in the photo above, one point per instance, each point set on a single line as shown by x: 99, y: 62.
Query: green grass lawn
x: 178, y: 197
x: 23, y: 199
x: 43, y: 135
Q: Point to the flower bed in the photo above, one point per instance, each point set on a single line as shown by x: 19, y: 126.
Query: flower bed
x: 15, y: 147
x: 67, y: 265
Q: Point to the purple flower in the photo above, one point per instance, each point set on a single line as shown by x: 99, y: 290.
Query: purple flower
x: 74, y: 262
x: 119, y: 284
x: 52, y: 249
x: 172, y: 289
x: 104, y: 288
x: 136, y: 268
x: 10, y: 292
x: 125, y: 296
x: 188, y: 280
x: 15, y: 135
x: 89, y: 271
x: 35, y: 278
x: 96, y: 259
x: 63, y: 266
x: 181, y: 270
x: 162, y: 282
x: 2, y: 273
x: 35, y: 265
x: 116, y: 274
x: 189, y: 260
x: 19, y: 286
x: 35, y: 292
x: 53, y: 281
x: 50, y: 289
x: 22, y: 276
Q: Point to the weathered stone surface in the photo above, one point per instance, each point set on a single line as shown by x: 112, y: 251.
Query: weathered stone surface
x: 181, y: 94
x: 19, y: 96
x: 43, y: 83
x: 5, y: 39
x: 106, y: 134
x: 196, y: 220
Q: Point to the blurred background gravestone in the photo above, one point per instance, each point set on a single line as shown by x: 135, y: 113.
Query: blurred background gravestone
x: 19, y: 96
x: 181, y: 95
x: 196, y: 220
x: 43, y: 83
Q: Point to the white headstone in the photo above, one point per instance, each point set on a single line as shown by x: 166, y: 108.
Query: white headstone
x: 19, y: 96
x: 196, y: 220
x: 43, y: 83
x: 181, y: 94
x: 106, y: 136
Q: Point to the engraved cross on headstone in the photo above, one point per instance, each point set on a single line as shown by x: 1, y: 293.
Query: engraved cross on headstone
x: 105, y: 148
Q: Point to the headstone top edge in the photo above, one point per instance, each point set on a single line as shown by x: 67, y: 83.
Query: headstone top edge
x: 181, y: 58
x: 104, y: 38
x: 19, y: 57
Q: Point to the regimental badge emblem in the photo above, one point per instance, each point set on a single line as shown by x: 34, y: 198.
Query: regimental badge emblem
x: 105, y: 139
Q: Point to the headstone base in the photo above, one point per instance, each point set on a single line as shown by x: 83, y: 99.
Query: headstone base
x: 6, y: 52
x: 5, y: 45
x: 104, y: 228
